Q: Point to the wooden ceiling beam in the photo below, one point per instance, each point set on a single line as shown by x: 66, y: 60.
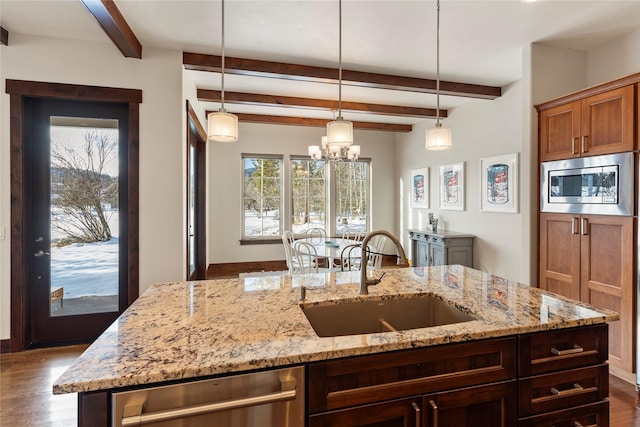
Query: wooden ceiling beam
x: 113, y: 23
x: 280, y: 70
x: 4, y: 36
x: 321, y: 104
x: 306, y: 121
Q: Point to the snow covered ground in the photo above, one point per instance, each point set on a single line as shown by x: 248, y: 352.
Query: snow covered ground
x: 86, y: 269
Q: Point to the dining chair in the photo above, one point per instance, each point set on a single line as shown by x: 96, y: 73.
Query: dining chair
x: 350, y: 236
x: 307, y: 257
x: 347, y: 261
x: 376, y: 246
x: 287, y: 242
x: 316, y: 235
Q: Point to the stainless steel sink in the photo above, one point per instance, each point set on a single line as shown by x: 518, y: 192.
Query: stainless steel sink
x: 398, y: 314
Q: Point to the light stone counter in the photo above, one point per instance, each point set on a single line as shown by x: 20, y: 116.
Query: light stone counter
x: 185, y: 330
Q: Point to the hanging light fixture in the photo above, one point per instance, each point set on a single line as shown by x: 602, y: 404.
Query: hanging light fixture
x: 222, y: 126
x: 439, y: 137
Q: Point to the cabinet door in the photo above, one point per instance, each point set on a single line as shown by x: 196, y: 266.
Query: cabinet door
x: 607, y: 278
x: 437, y: 254
x: 421, y: 255
x: 396, y: 413
x: 487, y: 406
x: 560, y: 132
x: 560, y: 254
x: 607, y: 122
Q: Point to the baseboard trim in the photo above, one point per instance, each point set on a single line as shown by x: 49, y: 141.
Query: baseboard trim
x: 627, y: 376
x: 5, y: 346
x: 232, y: 269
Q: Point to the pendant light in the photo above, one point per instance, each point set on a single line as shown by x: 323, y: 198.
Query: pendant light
x: 340, y: 131
x: 222, y: 126
x: 439, y: 137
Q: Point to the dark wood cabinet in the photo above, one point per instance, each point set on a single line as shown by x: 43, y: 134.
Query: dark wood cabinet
x: 598, y: 124
x: 446, y: 248
x: 488, y: 406
x: 395, y: 413
x: 590, y: 258
x: 563, y: 378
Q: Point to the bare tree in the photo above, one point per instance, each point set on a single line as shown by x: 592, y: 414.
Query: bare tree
x: 85, y: 188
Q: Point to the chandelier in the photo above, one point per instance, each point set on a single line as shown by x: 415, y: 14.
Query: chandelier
x: 338, y: 143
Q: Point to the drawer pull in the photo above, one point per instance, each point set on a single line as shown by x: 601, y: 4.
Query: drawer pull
x: 579, y: 424
x: 435, y: 412
x: 577, y: 388
x: 575, y: 349
x: 416, y: 409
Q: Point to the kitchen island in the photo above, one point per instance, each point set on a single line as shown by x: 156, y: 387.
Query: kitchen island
x: 182, y: 331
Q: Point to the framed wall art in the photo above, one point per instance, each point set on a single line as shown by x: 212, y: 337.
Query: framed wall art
x: 499, y: 183
x: 451, y: 186
x: 419, y: 182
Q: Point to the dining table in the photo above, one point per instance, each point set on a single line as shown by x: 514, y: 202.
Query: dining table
x: 330, y: 248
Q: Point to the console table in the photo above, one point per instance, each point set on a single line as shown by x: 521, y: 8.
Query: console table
x: 445, y: 248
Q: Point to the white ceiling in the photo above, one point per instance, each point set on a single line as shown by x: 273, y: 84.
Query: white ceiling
x: 481, y: 40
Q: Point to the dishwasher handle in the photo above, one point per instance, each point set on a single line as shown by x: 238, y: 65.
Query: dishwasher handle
x: 208, y: 408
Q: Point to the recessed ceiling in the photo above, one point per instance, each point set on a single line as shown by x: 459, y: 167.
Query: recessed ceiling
x: 481, y: 41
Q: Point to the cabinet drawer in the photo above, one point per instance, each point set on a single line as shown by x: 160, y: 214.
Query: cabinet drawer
x: 435, y: 239
x: 400, y: 413
x: 418, y: 236
x: 593, y: 415
x: 366, y: 379
x: 562, y: 390
x: 544, y: 352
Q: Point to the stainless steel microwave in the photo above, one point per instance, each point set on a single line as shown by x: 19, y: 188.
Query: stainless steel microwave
x: 592, y: 185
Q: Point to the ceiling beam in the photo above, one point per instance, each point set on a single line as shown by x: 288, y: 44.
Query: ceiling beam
x: 4, y: 36
x: 113, y: 23
x: 321, y: 104
x: 306, y: 121
x: 280, y: 70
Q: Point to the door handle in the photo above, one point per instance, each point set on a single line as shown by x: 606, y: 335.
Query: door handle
x: 585, y: 138
x: 416, y: 409
x: 40, y: 253
x: 434, y: 407
x: 585, y: 226
x: 574, y: 225
x: 574, y: 143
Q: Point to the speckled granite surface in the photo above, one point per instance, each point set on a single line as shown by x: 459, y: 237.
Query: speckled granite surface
x: 193, y: 329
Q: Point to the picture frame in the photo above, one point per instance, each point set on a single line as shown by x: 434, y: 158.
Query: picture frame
x: 451, y: 185
x: 419, y: 188
x: 499, y: 183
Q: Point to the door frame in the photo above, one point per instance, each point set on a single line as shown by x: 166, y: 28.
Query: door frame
x: 197, y: 137
x: 18, y: 91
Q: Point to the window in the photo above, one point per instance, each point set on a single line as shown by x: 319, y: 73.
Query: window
x: 308, y: 195
x: 352, y: 196
x: 262, y: 196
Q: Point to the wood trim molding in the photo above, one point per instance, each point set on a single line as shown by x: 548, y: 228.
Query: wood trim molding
x: 5, y: 346
x: 279, y: 70
x: 115, y: 26
x: 232, y: 269
x: 306, y: 121
x: 593, y: 90
x: 196, y: 121
x: 321, y: 104
x: 70, y: 91
x: 4, y: 36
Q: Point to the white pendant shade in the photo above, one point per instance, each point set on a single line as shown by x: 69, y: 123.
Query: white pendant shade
x: 340, y: 133
x: 222, y: 127
x: 439, y: 138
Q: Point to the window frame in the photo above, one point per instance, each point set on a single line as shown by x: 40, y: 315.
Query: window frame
x: 290, y: 195
x: 249, y: 240
x: 334, y: 197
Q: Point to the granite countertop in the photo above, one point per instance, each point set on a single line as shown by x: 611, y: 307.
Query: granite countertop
x: 185, y: 330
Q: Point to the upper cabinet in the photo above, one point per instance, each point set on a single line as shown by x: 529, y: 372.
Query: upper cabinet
x: 597, y: 124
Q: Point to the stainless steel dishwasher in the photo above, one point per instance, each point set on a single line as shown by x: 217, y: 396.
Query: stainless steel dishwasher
x: 260, y: 399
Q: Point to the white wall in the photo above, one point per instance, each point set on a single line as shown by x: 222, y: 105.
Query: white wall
x: 618, y: 58
x: 481, y: 128
x: 224, y: 187
x: 158, y: 75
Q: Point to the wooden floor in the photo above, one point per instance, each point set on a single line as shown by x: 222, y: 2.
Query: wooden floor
x: 26, y: 399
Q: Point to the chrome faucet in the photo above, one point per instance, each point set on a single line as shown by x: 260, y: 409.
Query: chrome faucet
x: 364, y: 282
